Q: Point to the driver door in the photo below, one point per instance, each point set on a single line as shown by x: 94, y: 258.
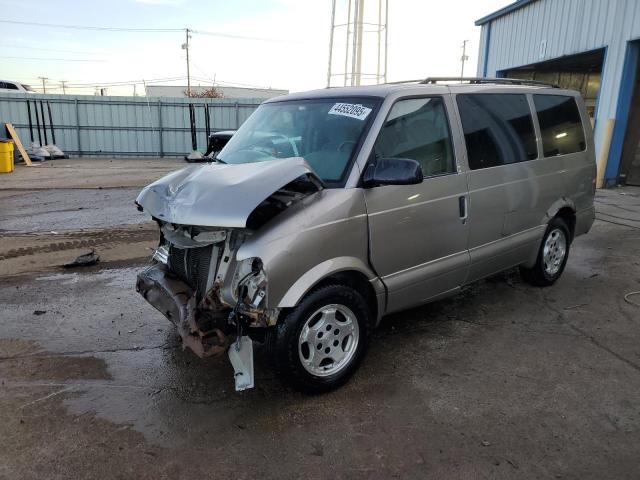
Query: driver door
x: 418, y: 233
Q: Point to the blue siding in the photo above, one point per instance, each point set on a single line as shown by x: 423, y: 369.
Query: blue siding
x: 547, y: 29
x: 622, y: 114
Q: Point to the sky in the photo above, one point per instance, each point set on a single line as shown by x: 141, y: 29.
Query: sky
x: 285, y: 43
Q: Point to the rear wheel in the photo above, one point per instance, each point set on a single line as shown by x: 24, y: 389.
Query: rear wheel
x: 552, y: 256
x: 320, y: 343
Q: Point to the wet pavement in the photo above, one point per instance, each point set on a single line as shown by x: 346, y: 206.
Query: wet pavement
x: 502, y: 381
x: 69, y: 209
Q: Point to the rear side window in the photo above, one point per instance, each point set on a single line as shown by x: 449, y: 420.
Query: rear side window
x: 8, y: 86
x: 560, y: 124
x: 417, y: 128
x: 498, y: 129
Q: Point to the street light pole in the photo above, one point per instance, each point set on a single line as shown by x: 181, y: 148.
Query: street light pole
x: 464, y: 58
x: 185, y: 46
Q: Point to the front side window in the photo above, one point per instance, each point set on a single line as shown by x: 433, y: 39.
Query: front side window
x: 560, y: 124
x: 417, y: 129
x: 325, y: 132
x: 498, y: 129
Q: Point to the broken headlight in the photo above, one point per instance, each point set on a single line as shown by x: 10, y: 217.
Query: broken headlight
x: 249, y: 283
x: 161, y: 254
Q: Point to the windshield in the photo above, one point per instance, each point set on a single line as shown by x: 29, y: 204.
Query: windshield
x: 325, y: 132
x: 28, y: 88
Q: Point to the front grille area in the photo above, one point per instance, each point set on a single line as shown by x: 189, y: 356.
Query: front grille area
x: 192, y: 266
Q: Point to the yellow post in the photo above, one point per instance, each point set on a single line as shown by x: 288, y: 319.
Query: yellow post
x: 6, y: 156
x: 604, y: 151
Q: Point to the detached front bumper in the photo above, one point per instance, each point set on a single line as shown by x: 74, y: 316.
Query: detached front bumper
x: 177, y: 301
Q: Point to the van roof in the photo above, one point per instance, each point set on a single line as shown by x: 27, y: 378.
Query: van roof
x: 434, y: 85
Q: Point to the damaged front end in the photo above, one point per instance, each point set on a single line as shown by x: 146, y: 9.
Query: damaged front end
x: 195, y: 279
x: 197, y: 285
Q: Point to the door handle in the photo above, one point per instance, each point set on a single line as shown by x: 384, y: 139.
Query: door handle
x: 462, y: 204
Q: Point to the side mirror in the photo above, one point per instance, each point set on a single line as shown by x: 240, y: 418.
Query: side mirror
x: 392, y: 171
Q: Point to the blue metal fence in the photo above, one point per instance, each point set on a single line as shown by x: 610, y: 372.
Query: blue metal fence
x: 124, y: 126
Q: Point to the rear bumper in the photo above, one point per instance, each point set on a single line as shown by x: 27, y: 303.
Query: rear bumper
x: 177, y: 302
x: 584, y: 220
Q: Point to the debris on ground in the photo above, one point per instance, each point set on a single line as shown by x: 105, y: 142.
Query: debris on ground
x: 39, y: 312
x: 84, y: 260
x: 571, y: 307
x: 630, y: 294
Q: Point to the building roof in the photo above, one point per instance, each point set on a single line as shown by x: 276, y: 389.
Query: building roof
x: 504, y: 11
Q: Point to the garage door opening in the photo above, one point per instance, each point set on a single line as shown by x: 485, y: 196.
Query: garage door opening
x: 580, y: 72
x: 630, y: 158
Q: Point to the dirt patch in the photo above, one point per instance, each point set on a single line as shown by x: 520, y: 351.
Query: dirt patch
x: 14, y: 347
x: 20, y: 253
x: 25, y: 360
x: 91, y: 173
x: 54, y: 367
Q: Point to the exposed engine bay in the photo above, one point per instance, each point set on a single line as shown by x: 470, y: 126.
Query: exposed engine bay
x: 195, y: 279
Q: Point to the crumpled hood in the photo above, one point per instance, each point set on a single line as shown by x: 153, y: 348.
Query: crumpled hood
x: 218, y: 195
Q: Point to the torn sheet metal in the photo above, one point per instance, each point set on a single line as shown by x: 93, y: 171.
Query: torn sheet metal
x: 218, y: 195
x: 176, y: 301
x: 241, y: 358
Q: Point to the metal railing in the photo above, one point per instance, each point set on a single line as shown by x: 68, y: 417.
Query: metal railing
x: 124, y: 126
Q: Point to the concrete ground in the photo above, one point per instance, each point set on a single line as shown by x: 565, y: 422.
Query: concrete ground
x: 502, y: 381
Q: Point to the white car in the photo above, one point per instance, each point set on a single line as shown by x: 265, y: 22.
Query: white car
x: 15, y: 87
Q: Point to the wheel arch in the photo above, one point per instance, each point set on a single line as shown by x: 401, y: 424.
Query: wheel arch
x: 343, y: 270
x: 565, y: 209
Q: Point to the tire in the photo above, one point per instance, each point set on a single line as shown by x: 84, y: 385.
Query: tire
x: 319, y: 344
x: 552, y: 256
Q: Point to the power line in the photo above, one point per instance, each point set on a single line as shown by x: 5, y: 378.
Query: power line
x: 125, y: 82
x: 53, y: 59
x: 227, y: 83
x: 47, y: 49
x: 121, y: 84
x: 148, y: 30
x: 243, y: 37
x: 88, y: 27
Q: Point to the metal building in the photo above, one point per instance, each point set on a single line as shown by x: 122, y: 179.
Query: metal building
x: 588, y: 45
x: 176, y: 91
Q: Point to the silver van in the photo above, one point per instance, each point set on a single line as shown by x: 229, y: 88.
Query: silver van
x: 329, y: 209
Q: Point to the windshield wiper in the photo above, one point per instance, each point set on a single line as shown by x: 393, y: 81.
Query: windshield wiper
x: 217, y: 160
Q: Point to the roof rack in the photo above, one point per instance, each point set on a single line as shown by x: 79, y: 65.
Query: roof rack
x: 483, y: 80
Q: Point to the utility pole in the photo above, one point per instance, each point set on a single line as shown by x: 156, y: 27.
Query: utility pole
x: 44, y: 86
x: 64, y: 89
x: 464, y: 58
x: 185, y: 46
x: 134, y: 89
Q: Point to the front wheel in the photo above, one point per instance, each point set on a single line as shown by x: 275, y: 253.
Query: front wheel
x: 552, y: 256
x: 319, y: 343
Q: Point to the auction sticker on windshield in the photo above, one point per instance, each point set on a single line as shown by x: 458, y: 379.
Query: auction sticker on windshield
x: 350, y: 110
